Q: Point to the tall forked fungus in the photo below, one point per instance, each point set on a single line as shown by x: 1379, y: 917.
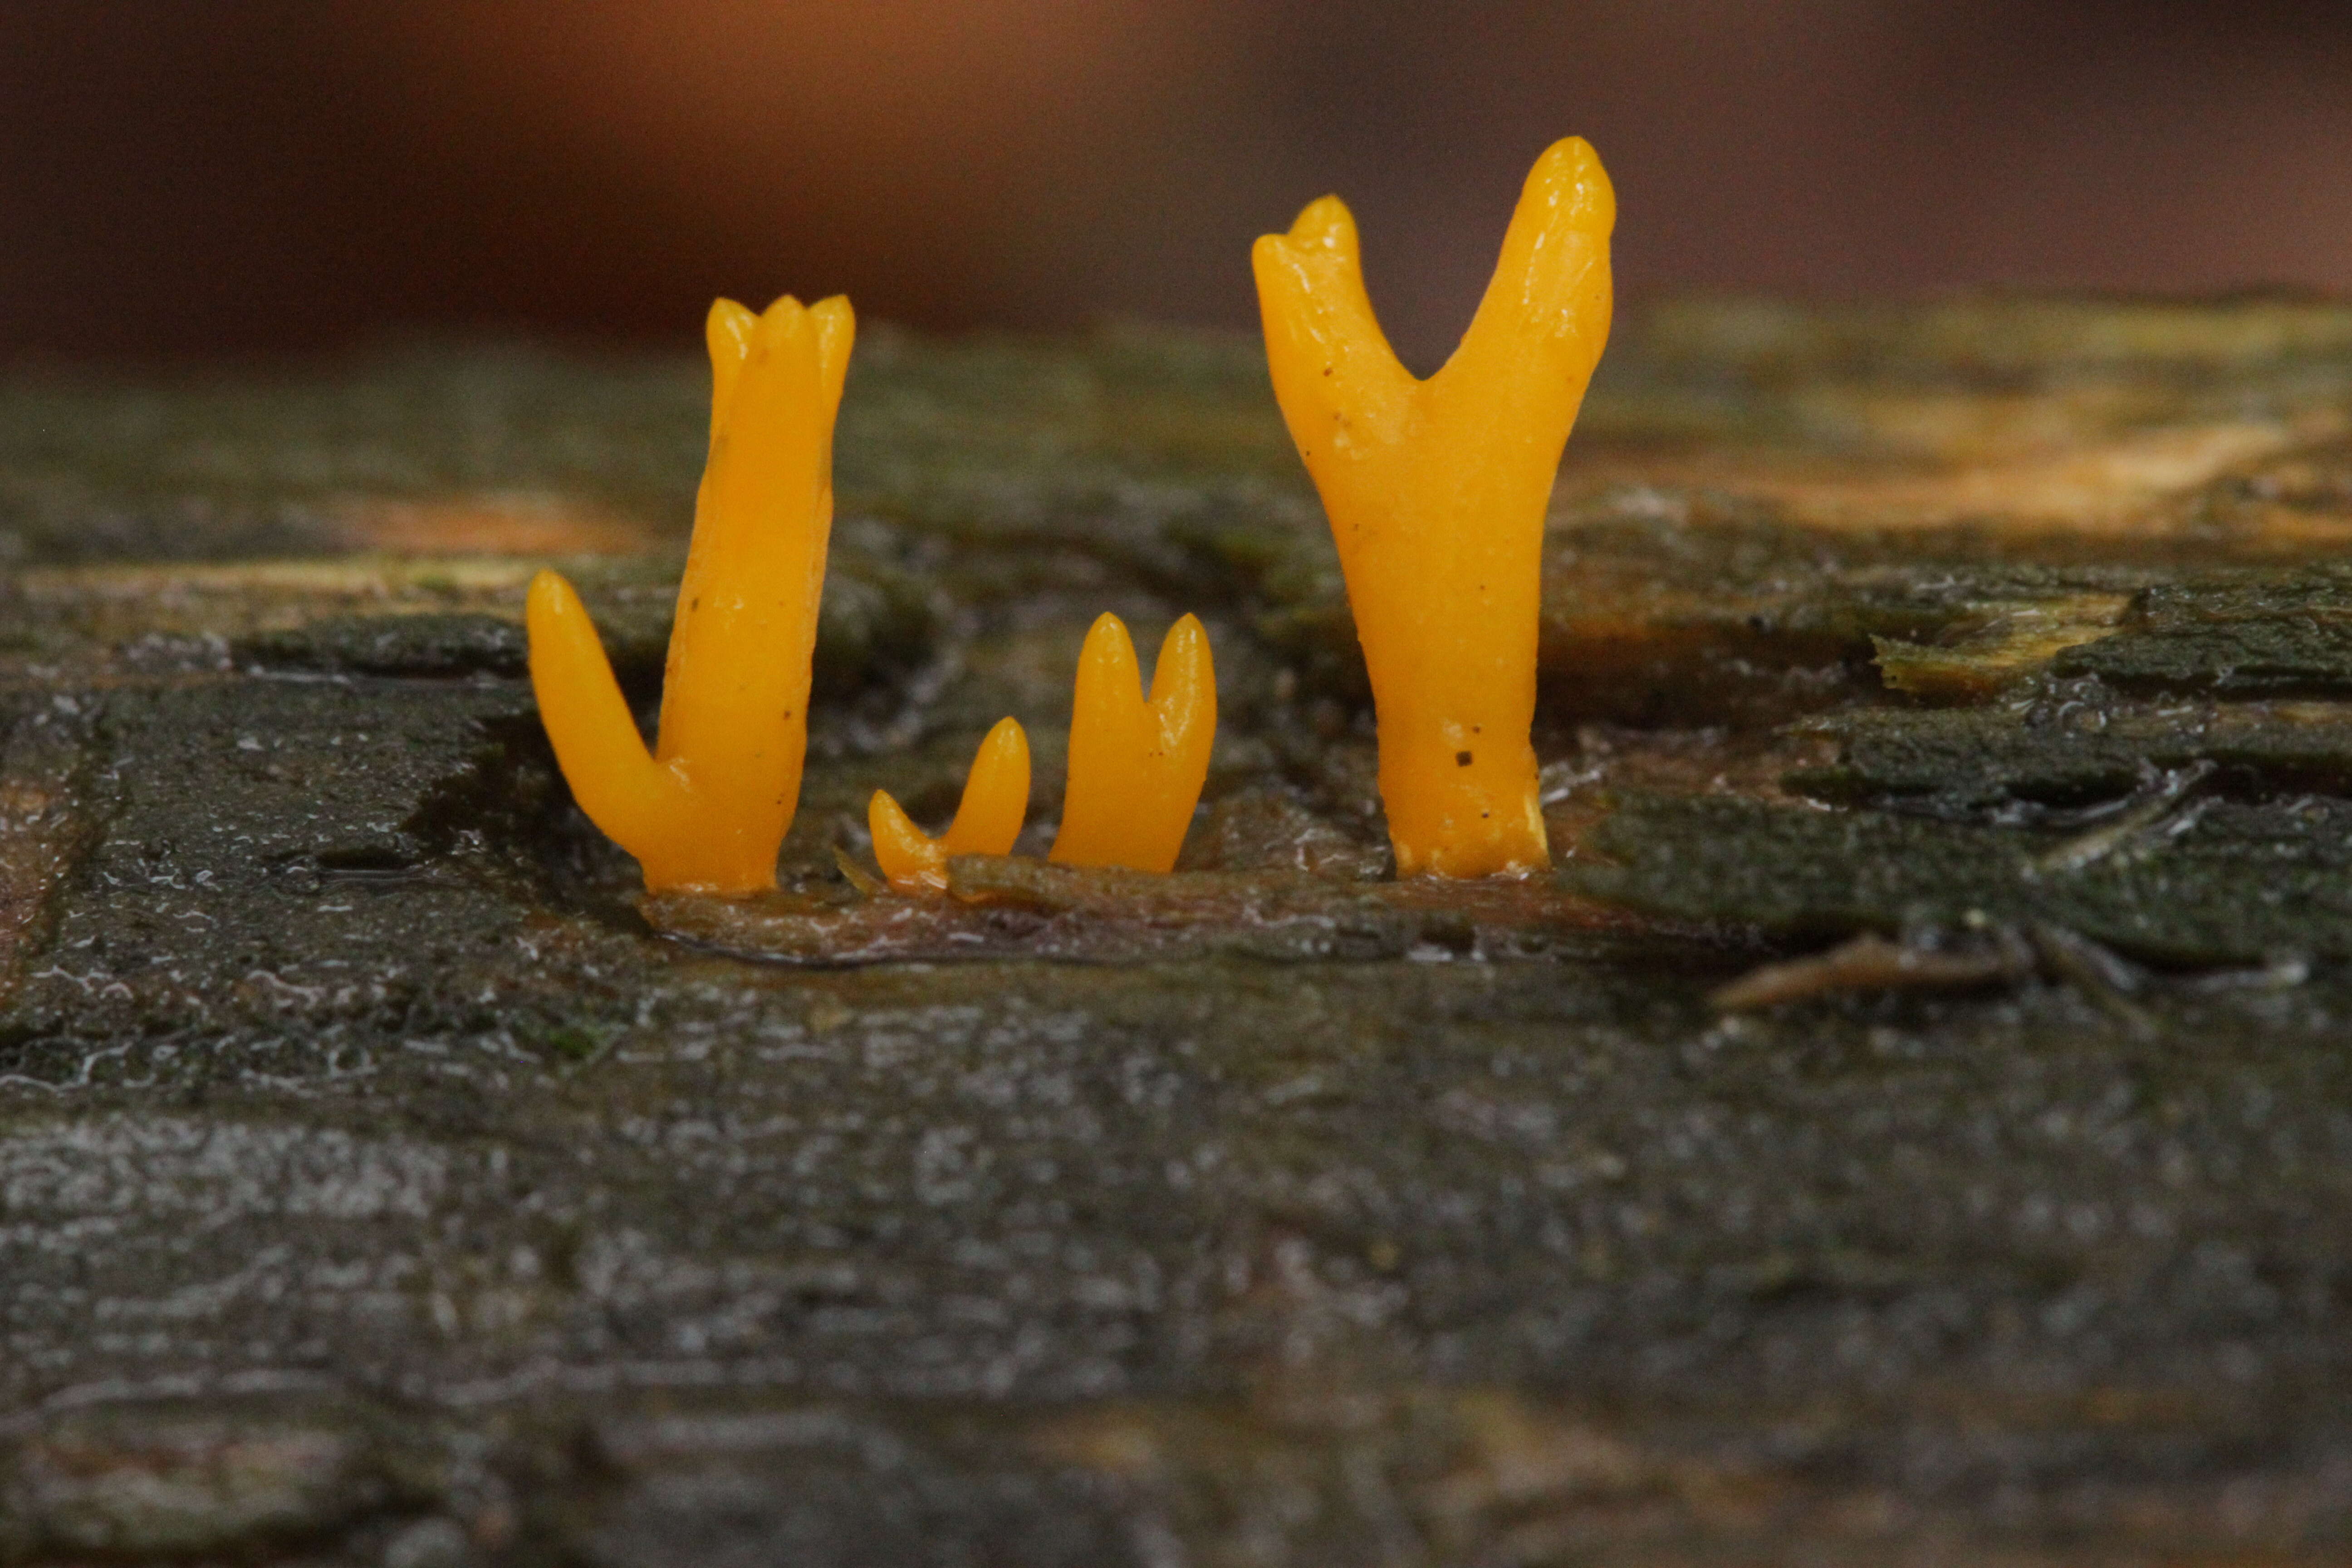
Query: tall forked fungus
x: 708, y: 807
x: 1436, y: 491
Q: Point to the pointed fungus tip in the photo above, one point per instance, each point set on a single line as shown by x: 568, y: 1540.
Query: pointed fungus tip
x: 1568, y: 152
x: 1108, y: 648
x: 1570, y: 171
x: 911, y: 860
x: 1185, y: 664
x: 550, y: 600
x: 1323, y: 221
x: 837, y: 328
x: 728, y: 328
x: 1006, y: 743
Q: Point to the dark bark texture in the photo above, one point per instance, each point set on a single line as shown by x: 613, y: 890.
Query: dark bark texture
x: 1912, y: 1124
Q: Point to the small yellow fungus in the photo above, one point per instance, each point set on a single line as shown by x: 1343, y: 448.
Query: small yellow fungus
x: 708, y: 808
x: 1436, y: 491
x: 1137, y: 766
x: 995, y: 799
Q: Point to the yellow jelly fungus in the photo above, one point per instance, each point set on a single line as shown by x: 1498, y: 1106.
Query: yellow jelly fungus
x: 1137, y: 766
x: 995, y: 799
x: 1436, y: 491
x: 708, y: 808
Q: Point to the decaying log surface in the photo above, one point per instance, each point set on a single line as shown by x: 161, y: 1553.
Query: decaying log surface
x: 1913, y: 1121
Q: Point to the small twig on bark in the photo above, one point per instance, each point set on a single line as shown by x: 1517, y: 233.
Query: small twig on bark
x: 1871, y: 962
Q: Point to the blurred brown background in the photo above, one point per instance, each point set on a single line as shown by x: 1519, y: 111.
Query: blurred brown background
x: 185, y: 177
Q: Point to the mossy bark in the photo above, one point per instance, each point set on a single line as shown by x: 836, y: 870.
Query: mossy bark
x: 383, y: 1180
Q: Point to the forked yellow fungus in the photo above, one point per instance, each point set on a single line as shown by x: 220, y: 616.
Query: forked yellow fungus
x: 1436, y: 491
x: 708, y: 808
x: 995, y: 799
x: 1137, y: 766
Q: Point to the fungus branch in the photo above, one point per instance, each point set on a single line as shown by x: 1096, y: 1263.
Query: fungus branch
x: 709, y: 807
x: 995, y: 799
x: 1137, y: 766
x: 1436, y: 492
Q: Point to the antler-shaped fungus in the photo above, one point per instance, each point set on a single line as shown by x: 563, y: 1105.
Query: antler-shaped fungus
x: 709, y: 807
x: 995, y: 799
x: 1436, y: 491
x: 1137, y: 766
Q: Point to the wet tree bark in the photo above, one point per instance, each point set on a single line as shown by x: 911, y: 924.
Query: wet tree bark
x: 382, y: 1180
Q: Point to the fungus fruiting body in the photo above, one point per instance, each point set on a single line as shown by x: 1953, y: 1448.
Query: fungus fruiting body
x: 1137, y: 765
x: 709, y: 807
x: 995, y: 799
x: 1436, y: 492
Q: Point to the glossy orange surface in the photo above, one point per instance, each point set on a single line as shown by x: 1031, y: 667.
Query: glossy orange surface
x: 708, y: 805
x: 995, y: 801
x: 1137, y: 765
x: 1436, y: 492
